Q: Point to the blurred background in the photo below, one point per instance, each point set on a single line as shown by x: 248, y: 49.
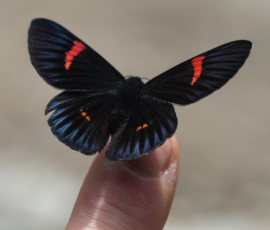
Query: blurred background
x: 225, y: 164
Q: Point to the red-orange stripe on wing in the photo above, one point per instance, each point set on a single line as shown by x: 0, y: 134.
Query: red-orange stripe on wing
x: 197, y: 64
x: 76, y: 49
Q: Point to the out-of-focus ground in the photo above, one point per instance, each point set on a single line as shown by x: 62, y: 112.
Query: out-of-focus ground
x: 225, y: 164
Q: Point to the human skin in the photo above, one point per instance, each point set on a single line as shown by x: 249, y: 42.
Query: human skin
x: 123, y: 195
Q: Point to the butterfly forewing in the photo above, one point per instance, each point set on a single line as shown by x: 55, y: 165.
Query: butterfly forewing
x: 199, y: 76
x: 66, y: 62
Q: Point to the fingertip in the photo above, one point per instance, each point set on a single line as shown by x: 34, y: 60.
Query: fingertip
x: 156, y: 163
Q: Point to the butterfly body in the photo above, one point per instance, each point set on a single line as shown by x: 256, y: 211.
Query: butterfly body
x: 99, y: 104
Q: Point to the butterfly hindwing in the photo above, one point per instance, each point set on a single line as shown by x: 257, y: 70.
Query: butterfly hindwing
x: 198, y: 77
x: 66, y: 62
x: 149, y: 124
x: 81, y: 119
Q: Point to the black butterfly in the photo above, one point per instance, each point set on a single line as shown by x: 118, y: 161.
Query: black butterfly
x: 98, y: 102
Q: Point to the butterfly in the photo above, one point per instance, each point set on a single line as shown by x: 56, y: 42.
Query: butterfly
x: 98, y: 103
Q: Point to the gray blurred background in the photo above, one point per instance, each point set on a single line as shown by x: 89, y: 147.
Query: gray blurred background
x: 224, y: 179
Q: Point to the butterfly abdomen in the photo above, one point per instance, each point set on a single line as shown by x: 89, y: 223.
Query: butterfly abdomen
x: 128, y: 94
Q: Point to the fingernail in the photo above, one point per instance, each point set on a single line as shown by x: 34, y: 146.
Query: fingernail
x: 156, y: 163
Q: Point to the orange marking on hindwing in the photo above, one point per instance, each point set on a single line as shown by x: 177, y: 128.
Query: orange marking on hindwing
x: 84, y: 114
x: 197, y: 64
x: 145, y: 126
x: 140, y: 127
x: 76, y: 49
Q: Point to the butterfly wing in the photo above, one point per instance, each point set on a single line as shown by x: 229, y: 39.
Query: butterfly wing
x: 148, y: 125
x: 66, y: 62
x: 199, y: 76
x: 81, y: 119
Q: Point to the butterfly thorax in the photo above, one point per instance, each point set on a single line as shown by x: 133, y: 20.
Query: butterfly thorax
x: 130, y: 89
